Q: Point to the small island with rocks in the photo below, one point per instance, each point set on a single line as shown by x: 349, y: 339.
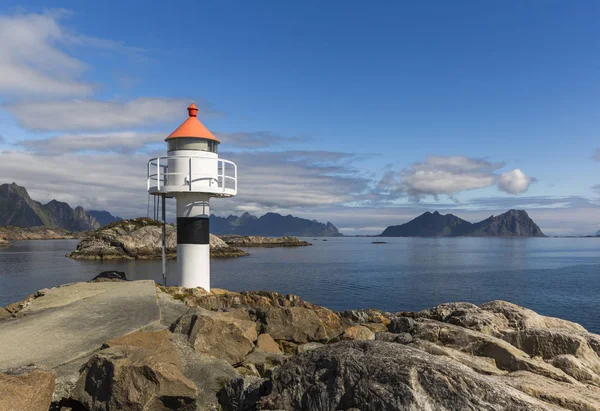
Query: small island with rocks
x: 141, y: 239
x: 133, y: 345
x: 258, y: 241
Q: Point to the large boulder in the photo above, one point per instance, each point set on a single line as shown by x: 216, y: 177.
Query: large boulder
x: 258, y: 303
x: 266, y: 343
x: 519, y: 318
x: 375, y: 375
x: 467, y: 315
x: 506, y: 356
x: 109, y: 276
x: 570, y: 397
x: 137, y: 372
x: 358, y: 332
x: 296, y: 324
x: 264, y: 362
x: 209, y: 374
x: 26, y: 388
x: 551, y: 344
x: 576, y: 369
x: 4, y: 314
x: 218, y: 334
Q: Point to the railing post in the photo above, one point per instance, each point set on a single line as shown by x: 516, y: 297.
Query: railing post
x: 158, y: 173
x: 222, y: 176
x: 235, y: 176
x: 190, y: 173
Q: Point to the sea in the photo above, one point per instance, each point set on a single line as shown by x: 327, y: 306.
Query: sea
x: 558, y: 277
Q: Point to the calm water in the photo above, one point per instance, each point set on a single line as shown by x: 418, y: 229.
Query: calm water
x: 554, y: 276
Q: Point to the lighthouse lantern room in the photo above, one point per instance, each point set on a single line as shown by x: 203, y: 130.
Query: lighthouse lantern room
x: 192, y: 173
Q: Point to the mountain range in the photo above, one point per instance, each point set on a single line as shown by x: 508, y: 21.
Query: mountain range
x: 271, y: 225
x: 103, y: 217
x: 513, y: 223
x: 19, y: 210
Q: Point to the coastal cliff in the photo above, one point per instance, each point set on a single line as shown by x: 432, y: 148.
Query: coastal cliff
x: 136, y: 346
x: 18, y: 209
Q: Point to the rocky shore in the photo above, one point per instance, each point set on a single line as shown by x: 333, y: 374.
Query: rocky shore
x: 132, y: 345
x: 10, y: 233
x: 139, y: 238
x: 258, y: 241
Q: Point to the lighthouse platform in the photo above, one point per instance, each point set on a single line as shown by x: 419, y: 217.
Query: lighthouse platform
x: 182, y: 174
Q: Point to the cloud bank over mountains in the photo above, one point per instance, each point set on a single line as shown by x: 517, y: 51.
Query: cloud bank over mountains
x: 92, y: 151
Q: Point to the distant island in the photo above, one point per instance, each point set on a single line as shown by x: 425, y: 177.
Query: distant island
x: 19, y: 210
x: 271, y: 225
x: 513, y: 223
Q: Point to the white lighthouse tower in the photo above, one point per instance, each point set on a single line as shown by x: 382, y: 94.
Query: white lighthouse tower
x: 192, y: 172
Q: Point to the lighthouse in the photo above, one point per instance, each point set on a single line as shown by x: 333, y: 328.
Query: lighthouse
x: 192, y: 173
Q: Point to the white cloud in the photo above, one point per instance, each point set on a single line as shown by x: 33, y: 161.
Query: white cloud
x: 118, y: 141
x: 449, y: 175
x: 83, y: 115
x: 440, y: 175
x: 130, y: 141
x: 116, y: 181
x: 295, y: 179
x: 31, y: 61
x: 35, y: 58
x: 514, y: 182
x: 104, y: 181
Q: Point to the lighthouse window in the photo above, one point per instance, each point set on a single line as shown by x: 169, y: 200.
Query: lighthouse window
x: 198, y: 144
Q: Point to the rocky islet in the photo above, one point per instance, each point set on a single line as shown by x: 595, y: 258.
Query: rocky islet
x: 141, y: 238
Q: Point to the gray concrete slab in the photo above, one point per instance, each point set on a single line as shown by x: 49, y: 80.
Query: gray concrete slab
x: 72, y: 321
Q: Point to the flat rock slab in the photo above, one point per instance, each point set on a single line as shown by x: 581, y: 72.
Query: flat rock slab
x: 72, y: 321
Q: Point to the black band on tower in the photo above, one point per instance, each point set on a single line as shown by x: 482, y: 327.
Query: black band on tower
x: 193, y: 230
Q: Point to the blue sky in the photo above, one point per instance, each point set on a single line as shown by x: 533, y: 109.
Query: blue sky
x: 367, y: 114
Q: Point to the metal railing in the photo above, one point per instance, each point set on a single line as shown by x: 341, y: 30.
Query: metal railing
x: 158, y: 176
